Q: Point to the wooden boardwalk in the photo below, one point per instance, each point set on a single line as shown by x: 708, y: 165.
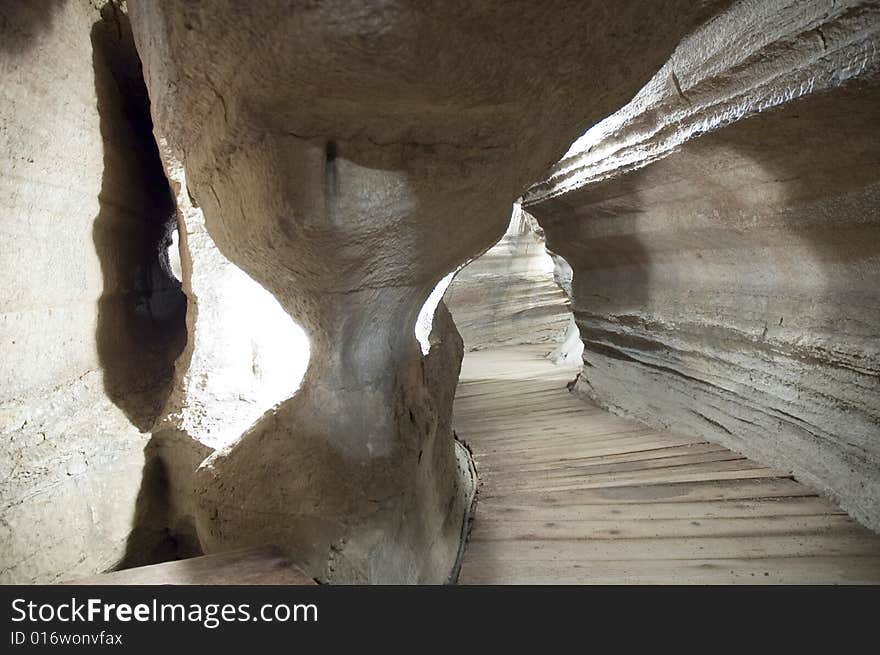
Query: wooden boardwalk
x: 572, y: 494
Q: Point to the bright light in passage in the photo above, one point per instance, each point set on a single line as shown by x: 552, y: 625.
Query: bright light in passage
x: 426, y: 316
x: 174, y: 256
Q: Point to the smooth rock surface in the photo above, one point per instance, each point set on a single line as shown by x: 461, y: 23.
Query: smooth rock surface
x: 509, y: 294
x: 348, y: 156
x: 244, y: 354
x: 729, y: 285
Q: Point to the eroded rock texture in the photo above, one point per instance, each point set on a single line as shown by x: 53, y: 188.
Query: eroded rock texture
x: 729, y: 285
x: 347, y: 156
x: 101, y: 441
x: 509, y: 294
x: 243, y: 355
x: 90, y: 317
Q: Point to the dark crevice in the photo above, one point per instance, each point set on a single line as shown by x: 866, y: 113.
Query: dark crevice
x: 330, y: 154
x: 141, y: 312
x: 141, y: 322
x: 711, y: 422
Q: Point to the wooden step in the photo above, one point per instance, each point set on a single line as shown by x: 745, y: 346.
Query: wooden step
x: 252, y: 566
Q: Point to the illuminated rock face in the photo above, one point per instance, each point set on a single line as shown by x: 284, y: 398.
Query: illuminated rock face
x: 347, y: 156
x: 243, y: 355
x: 509, y: 294
x: 726, y: 284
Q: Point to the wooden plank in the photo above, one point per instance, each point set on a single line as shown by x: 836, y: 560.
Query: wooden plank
x: 509, y: 510
x: 605, y: 446
x: 495, y: 529
x: 251, y: 566
x: 638, y: 455
x: 683, y: 548
x: 549, y: 470
x: 706, y: 490
x: 594, y: 482
x: 820, y: 569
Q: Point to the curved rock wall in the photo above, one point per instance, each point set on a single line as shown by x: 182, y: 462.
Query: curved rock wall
x: 726, y: 255
x: 509, y: 294
x: 243, y: 355
x: 90, y: 317
x: 348, y: 156
x: 384, y: 151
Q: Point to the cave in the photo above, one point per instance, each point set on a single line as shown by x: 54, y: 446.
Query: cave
x: 392, y: 292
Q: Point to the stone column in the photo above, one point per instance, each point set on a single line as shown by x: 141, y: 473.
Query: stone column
x: 348, y: 155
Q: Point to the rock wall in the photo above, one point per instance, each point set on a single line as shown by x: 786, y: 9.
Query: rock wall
x: 724, y: 234
x: 348, y: 156
x: 132, y: 348
x: 90, y: 317
x: 244, y: 353
x: 509, y: 294
x: 571, y: 348
x: 242, y: 356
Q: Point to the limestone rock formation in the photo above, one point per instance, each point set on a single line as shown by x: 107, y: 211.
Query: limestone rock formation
x: 329, y: 165
x: 117, y: 378
x: 243, y: 355
x: 348, y: 156
x: 571, y: 348
x: 726, y: 253
x: 91, y: 319
x: 509, y: 295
